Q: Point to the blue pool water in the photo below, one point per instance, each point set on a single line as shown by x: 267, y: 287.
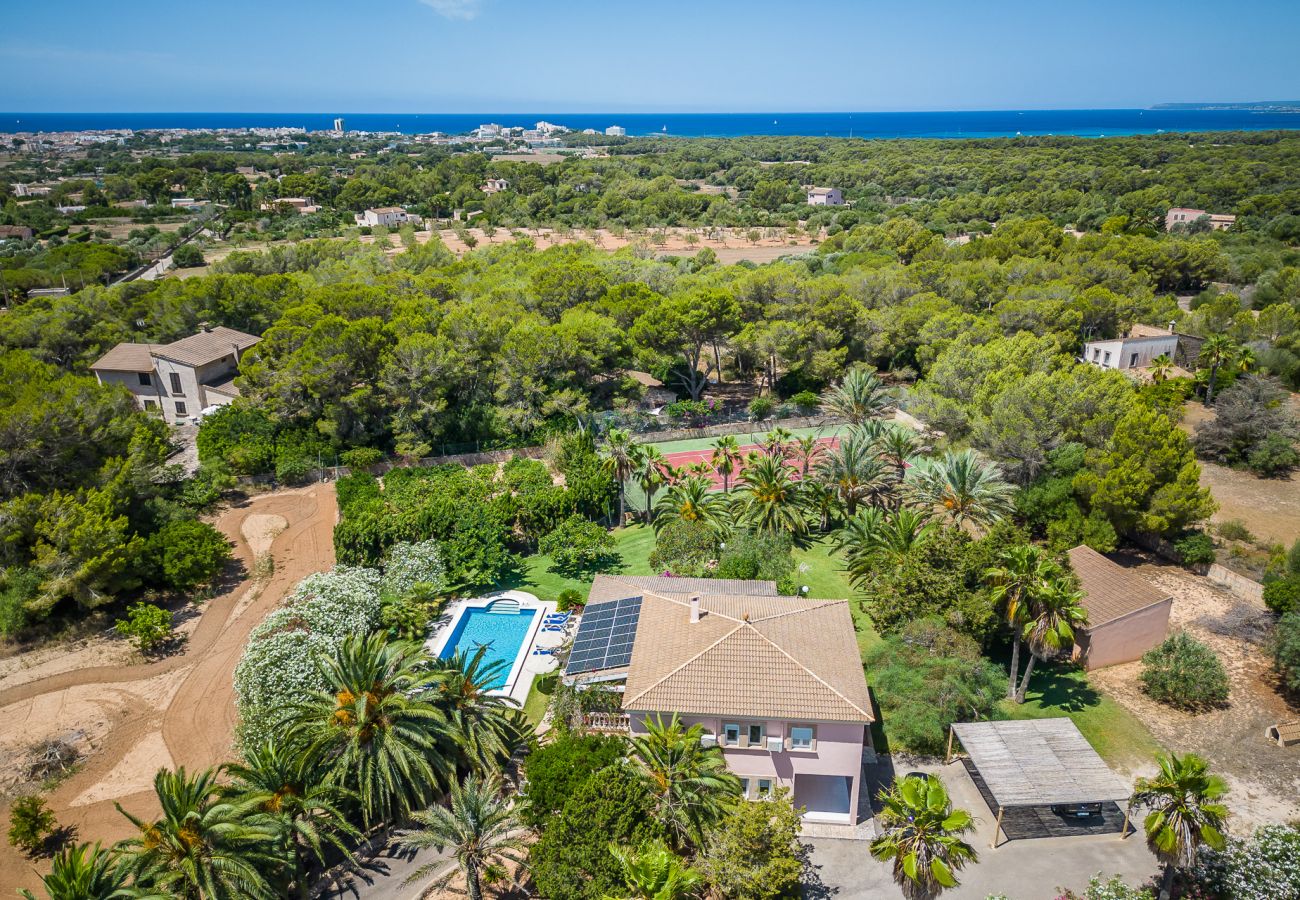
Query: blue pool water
x: 503, y: 633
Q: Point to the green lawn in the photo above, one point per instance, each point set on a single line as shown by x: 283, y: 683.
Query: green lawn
x: 826, y: 580
x: 754, y: 436
x: 535, y: 704
x: 1114, y: 732
x: 634, y: 544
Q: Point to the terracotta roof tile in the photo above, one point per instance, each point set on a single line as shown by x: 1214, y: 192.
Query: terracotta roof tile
x: 127, y: 358
x: 1110, y: 591
x: 206, y: 346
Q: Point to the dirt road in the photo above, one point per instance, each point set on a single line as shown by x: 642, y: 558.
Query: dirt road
x: 177, y: 711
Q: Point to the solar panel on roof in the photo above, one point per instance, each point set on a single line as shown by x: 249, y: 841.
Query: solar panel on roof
x: 605, y: 636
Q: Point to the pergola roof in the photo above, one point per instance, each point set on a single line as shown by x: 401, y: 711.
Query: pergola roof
x: 1038, y: 762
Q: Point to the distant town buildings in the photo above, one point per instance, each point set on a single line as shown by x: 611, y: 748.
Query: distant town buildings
x: 301, y: 205
x: 616, y: 131
x: 387, y: 216
x: 1133, y: 354
x: 1181, y: 216
x: 822, y: 196
x: 489, y: 131
x: 339, y: 126
x: 495, y: 186
x: 181, y: 379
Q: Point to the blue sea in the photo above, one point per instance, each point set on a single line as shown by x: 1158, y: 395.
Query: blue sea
x: 966, y: 124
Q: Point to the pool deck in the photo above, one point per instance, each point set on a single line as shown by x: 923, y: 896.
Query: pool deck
x: 526, y: 666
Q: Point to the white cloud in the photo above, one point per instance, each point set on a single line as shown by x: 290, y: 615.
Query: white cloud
x: 454, y: 9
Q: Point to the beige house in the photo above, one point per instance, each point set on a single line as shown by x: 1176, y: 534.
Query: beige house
x: 1181, y: 216
x: 1127, y: 615
x: 388, y: 216
x: 824, y: 196
x: 776, y: 682
x: 181, y: 379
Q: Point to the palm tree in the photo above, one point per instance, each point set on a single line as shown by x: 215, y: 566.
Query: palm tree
x: 618, y: 459
x: 374, y: 731
x: 726, y: 456
x: 898, y: 447
x: 484, y: 727
x: 693, y: 500
x: 282, y: 791
x: 923, y: 837
x: 821, y: 498
x: 203, y: 847
x: 650, y: 467
x: 655, y: 873
x: 854, y: 471
x: 689, y: 784
x: 479, y: 826
x: 808, y: 450
x: 875, y: 534
x: 859, y: 397
x: 1056, y: 609
x: 1161, y: 367
x: 1184, y: 812
x: 1244, y: 359
x: 86, y: 873
x: 1021, y: 571
x: 775, y: 441
x: 963, y: 488
x: 770, y: 500
x: 1217, y: 350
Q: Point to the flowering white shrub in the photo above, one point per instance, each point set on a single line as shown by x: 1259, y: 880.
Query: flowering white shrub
x: 278, y: 667
x: 1264, y: 867
x: 411, y: 564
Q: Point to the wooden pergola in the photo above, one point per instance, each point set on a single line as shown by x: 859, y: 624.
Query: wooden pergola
x: 1037, y: 762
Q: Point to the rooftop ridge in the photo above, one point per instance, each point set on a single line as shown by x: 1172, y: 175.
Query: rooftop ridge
x: 822, y: 681
x: 686, y: 662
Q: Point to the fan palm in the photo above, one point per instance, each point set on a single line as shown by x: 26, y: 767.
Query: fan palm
x: 655, y: 873
x: 618, y: 459
x: 963, y: 488
x: 770, y: 500
x: 1217, y: 351
x: 1161, y: 366
x: 282, y: 791
x: 1055, y: 610
x: 374, y: 731
x: 808, y: 450
x: 875, y: 535
x: 898, y: 447
x: 854, y: 471
x: 922, y: 836
x: 86, y: 873
x: 859, y: 397
x: 483, y: 726
x: 820, y: 498
x: 650, y: 467
x: 688, y: 783
x: 775, y: 441
x: 1184, y: 812
x: 479, y: 826
x: 693, y: 500
x: 204, y: 846
x: 726, y: 457
x: 1021, y: 571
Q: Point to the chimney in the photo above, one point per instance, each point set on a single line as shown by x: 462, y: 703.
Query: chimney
x: 695, y: 608
x: 1171, y: 326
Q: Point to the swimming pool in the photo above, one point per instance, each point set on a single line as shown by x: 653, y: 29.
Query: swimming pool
x: 503, y: 632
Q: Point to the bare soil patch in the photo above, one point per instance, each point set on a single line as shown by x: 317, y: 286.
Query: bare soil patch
x: 1265, y: 778
x: 1270, y: 507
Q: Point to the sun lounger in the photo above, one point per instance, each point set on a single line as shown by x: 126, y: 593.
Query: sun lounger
x: 545, y: 651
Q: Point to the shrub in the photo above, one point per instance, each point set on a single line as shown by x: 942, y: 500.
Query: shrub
x: 684, y: 547
x: 292, y: 469
x: 1184, y: 673
x: 750, y: 555
x: 1293, y: 558
x: 1114, y: 889
x: 1275, y: 455
x: 690, y: 409
x: 1283, y: 594
x: 557, y: 769
x: 1265, y: 866
x: 569, y: 599
x: 1235, y: 530
x: 146, y: 626
x: 579, y: 546
x: 1286, y: 651
x: 361, y: 458
x: 186, y: 554
x: 761, y: 408
x: 412, y: 567
x: 754, y: 852
x: 31, y: 824
x: 1195, y: 549
x: 807, y: 402
x: 17, y: 588
x: 928, y: 676
x: 188, y: 256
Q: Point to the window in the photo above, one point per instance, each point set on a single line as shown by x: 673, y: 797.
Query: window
x: 150, y: 403
x: 145, y: 379
x: 764, y: 789
x: 1132, y: 360
x: 1096, y: 353
x: 180, y: 409
x: 801, y: 737
x: 755, y: 735
x: 176, y: 383
x: 731, y: 735
x: 744, y: 787
x: 1106, y: 359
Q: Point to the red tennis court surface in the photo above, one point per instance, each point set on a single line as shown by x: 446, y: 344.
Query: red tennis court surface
x: 689, y: 457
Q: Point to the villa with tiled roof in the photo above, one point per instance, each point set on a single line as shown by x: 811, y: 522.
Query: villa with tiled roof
x: 776, y: 681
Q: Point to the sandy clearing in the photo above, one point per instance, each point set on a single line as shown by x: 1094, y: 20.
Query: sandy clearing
x: 178, y: 710
x: 260, y: 530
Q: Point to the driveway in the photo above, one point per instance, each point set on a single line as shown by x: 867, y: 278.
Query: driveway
x: 383, y: 877
x: 1031, y: 869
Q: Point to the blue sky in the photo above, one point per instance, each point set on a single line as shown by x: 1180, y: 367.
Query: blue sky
x: 662, y: 55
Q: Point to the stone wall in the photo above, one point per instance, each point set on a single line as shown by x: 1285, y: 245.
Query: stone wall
x: 1235, y: 583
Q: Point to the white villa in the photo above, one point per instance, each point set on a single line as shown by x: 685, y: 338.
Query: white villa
x: 181, y: 379
x: 495, y: 186
x: 387, y: 216
x: 776, y: 681
x: 824, y: 196
x: 1143, y: 344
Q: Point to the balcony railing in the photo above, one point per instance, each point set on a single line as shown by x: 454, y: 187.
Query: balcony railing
x: 613, y: 722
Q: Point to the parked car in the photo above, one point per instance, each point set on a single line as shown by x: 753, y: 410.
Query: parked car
x: 1077, y: 810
